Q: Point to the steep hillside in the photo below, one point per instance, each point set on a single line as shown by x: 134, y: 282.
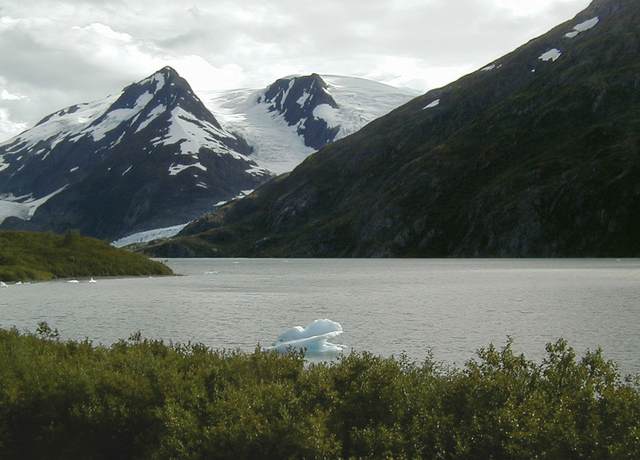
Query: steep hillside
x: 42, y: 256
x: 536, y: 154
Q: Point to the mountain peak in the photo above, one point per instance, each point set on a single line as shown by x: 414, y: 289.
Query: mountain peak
x: 153, y: 155
x: 305, y: 102
x: 535, y: 155
x: 167, y: 73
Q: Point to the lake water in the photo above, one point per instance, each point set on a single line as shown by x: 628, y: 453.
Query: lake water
x: 451, y: 307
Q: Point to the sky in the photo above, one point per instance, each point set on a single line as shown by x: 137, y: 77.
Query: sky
x: 58, y: 53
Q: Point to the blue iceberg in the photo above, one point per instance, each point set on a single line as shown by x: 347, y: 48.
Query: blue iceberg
x: 312, y: 340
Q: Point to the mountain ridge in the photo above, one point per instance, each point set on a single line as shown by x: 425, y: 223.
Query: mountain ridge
x: 289, y: 119
x: 535, y: 154
x: 150, y: 156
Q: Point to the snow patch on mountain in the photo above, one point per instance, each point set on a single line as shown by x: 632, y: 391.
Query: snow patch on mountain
x: 432, y: 105
x: 583, y: 27
x: 155, y: 112
x: 149, y: 235
x: 302, y: 100
x: 551, y: 55
x: 193, y: 134
x: 176, y: 169
x: 23, y: 207
x: 116, y: 117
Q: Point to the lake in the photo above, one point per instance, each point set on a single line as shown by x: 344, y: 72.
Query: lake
x: 451, y: 307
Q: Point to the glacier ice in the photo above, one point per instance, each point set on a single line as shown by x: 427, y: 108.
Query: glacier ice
x: 312, y: 339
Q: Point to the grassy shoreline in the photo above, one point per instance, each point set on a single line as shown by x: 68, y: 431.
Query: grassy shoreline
x: 146, y: 399
x: 33, y: 256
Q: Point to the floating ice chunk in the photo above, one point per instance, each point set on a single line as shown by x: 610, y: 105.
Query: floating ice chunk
x: 3, y: 284
x: 313, y: 339
x: 551, y: 55
x: 435, y: 103
x: 73, y: 281
x: 583, y: 27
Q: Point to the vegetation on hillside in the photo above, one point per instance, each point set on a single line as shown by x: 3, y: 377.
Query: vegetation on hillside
x: 524, y: 159
x: 44, y: 256
x: 145, y: 399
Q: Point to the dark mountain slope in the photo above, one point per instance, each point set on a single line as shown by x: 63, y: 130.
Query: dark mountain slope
x: 537, y: 154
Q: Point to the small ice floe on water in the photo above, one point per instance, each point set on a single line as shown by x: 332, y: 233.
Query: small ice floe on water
x: 211, y: 273
x: 312, y: 340
x: 92, y: 280
x: 3, y: 284
x: 18, y: 283
x: 73, y: 281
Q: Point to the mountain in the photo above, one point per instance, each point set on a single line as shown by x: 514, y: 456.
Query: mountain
x: 151, y: 156
x: 297, y: 115
x: 535, y: 154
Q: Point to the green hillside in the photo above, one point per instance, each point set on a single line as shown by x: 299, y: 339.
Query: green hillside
x: 527, y: 157
x: 44, y: 256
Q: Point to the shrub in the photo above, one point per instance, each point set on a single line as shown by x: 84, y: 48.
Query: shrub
x: 142, y: 398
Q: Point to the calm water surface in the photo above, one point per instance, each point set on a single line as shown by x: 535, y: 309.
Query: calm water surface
x: 385, y: 306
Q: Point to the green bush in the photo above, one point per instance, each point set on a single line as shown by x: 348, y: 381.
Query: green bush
x: 145, y: 399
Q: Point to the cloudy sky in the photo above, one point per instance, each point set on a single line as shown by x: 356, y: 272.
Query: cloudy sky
x: 58, y: 53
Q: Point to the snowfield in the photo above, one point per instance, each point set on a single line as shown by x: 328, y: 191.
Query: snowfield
x: 277, y: 146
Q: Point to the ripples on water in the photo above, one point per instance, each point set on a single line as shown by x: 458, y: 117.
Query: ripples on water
x: 385, y: 306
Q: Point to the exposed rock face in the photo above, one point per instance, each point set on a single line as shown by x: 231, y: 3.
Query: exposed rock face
x: 302, y: 101
x: 295, y: 116
x: 152, y: 156
x: 536, y: 154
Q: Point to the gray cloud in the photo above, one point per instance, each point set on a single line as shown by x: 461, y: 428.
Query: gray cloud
x: 57, y: 53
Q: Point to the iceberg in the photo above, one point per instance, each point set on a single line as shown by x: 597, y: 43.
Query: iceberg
x: 312, y: 340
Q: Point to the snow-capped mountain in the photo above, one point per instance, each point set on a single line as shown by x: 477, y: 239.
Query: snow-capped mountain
x: 536, y: 154
x: 151, y: 156
x: 297, y: 115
